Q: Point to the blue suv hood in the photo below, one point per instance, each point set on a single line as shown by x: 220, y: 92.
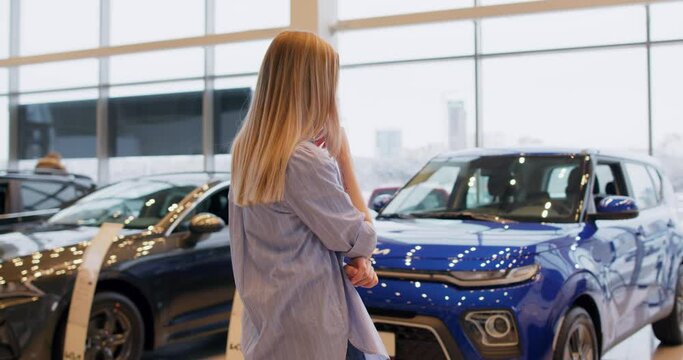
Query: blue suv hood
x: 438, y: 244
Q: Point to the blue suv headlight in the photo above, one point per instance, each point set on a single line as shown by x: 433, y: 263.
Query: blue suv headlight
x: 496, y: 277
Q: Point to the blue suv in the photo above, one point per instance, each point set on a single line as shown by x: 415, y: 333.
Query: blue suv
x: 509, y: 254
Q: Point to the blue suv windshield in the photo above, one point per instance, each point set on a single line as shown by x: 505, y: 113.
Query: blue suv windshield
x: 528, y: 188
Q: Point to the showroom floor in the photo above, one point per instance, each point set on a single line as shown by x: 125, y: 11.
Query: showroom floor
x: 641, y: 346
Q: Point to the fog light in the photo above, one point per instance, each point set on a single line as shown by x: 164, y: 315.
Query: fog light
x: 497, y: 326
x: 493, y: 332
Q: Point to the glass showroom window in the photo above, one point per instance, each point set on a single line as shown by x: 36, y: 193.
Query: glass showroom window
x: 4, y: 81
x: 407, y: 42
x: 234, y: 15
x: 63, y: 122
x: 155, y: 133
x: 667, y: 109
x: 135, y: 21
x: 665, y: 20
x: 158, y: 65
x: 157, y: 88
x: 4, y: 132
x: 405, y: 113
x: 572, y: 99
x: 231, y: 104
x: 230, y: 108
x: 58, y: 75
x: 240, y: 58
x: 354, y: 9
x: 564, y: 29
x: 4, y: 29
x: 64, y: 25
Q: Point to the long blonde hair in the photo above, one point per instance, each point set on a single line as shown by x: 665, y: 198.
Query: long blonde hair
x: 294, y: 101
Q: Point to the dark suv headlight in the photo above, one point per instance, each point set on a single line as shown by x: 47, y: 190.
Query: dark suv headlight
x: 493, y: 332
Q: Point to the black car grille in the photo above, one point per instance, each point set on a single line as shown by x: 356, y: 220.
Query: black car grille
x: 414, y: 343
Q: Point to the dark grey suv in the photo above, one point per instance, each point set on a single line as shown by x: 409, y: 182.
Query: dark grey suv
x: 29, y: 196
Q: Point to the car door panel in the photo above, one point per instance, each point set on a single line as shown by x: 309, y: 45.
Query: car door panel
x: 622, y: 272
x: 653, y: 234
x: 201, y: 286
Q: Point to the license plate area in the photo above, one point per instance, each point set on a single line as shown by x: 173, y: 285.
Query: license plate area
x: 389, y: 340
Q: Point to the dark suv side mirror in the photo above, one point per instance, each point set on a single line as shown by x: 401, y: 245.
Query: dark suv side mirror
x: 201, y: 224
x: 206, y: 223
x: 615, y: 208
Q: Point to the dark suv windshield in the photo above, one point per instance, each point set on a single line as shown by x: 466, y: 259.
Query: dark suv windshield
x: 517, y: 188
x: 137, y: 204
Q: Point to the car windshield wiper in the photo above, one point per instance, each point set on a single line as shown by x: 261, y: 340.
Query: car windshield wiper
x: 395, y: 216
x: 64, y: 223
x: 461, y: 215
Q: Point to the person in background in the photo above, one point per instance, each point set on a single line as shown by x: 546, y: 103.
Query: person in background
x: 51, y: 161
x: 296, y: 213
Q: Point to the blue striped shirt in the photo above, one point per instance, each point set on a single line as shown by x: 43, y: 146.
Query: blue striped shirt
x: 287, y: 259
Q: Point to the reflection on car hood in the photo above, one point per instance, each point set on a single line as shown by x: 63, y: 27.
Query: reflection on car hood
x: 47, y: 236
x: 438, y: 244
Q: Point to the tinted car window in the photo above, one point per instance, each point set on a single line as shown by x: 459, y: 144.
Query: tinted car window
x: 216, y: 204
x: 604, y: 177
x: 609, y: 181
x: 41, y: 195
x: 3, y: 198
x: 641, y: 185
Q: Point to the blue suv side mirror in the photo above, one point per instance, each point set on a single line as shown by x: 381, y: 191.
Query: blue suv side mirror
x: 615, y: 208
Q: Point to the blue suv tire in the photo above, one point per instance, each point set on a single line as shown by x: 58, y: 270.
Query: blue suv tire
x: 577, y: 338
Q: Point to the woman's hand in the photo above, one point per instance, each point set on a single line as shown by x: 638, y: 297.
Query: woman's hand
x: 361, y: 273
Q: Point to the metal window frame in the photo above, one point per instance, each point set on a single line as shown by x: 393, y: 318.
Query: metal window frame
x: 208, y: 110
x: 102, y: 136
x: 648, y: 50
x: 478, y: 12
x: 13, y: 88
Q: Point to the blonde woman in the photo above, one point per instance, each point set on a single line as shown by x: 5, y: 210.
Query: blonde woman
x: 294, y: 217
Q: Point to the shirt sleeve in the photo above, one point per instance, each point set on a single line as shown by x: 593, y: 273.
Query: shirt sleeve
x: 313, y: 191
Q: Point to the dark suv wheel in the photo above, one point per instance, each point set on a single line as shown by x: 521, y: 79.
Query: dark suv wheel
x: 577, y: 339
x: 670, y: 329
x: 116, y: 330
